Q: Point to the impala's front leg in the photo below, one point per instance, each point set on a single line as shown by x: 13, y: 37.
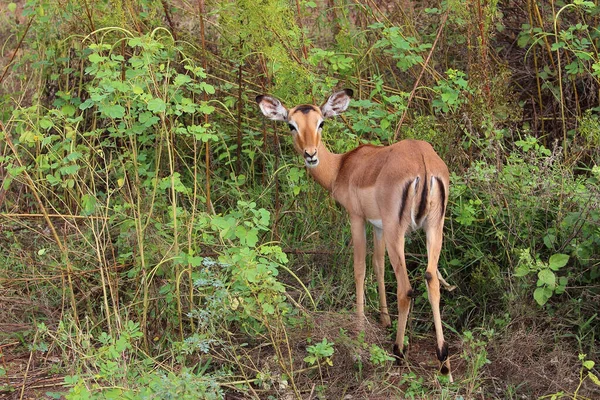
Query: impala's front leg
x: 379, y: 267
x: 360, y: 252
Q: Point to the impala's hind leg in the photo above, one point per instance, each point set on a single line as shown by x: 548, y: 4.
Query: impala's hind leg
x: 394, y: 241
x: 434, y: 246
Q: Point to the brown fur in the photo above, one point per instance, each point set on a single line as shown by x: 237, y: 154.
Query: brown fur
x: 379, y: 184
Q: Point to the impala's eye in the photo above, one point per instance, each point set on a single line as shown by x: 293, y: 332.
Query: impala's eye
x: 321, y: 124
x: 292, y: 127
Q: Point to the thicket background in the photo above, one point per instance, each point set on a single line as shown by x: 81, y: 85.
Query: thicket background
x: 160, y: 239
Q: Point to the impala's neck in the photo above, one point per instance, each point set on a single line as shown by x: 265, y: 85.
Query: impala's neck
x: 329, y: 165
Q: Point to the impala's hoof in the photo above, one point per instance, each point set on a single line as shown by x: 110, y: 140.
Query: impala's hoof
x: 398, y: 354
x: 442, y: 355
x: 385, y: 321
x: 444, y: 369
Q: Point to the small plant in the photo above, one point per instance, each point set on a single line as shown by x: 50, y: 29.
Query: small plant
x: 547, y: 283
x: 378, y: 355
x: 475, y: 354
x: 320, y: 353
x: 415, y: 388
x: 451, y: 92
x: 587, y: 366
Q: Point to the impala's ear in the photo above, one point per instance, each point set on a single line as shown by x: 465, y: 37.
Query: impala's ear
x: 337, y: 103
x: 272, y: 108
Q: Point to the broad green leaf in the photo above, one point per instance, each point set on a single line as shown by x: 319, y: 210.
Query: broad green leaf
x: 562, y: 283
x: 69, y: 169
x: 53, y: 180
x: 74, y: 156
x: 521, y: 270
x: 207, y: 88
x: 252, y: 237
x: 181, y: 79
x: 589, y: 364
x: 549, y: 240
x: 96, y: 58
x: 268, y: 309
x: 547, y: 277
x: 88, y: 203
x: 541, y: 295
x: 594, y: 378
x: 557, y: 261
x: 251, y: 275
x: 113, y: 110
x: 27, y: 137
x: 157, y: 105
x: 46, y: 123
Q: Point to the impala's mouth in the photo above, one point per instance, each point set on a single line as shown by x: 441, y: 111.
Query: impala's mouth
x: 311, y: 162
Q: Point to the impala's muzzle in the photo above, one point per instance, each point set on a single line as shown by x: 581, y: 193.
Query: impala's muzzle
x: 311, y: 160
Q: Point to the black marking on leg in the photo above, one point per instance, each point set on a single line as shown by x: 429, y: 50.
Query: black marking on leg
x: 442, y: 195
x: 428, y: 276
x: 412, y: 294
x: 442, y: 355
x: 398, y: 354
x: 404, y: 198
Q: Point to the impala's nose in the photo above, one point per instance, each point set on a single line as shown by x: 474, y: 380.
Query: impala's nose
x: 311, y: 160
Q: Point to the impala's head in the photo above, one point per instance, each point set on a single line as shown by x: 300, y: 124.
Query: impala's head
x: 305, y: 121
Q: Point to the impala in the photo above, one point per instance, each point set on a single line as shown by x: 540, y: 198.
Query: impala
x: 397, y: 188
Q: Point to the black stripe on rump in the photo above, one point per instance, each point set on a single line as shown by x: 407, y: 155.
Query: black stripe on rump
x: 442, y: 195
x: 404, y: 198
x: 423, y: 202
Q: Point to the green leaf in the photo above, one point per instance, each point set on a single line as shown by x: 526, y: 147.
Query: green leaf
x: 549, y: 240
x: 53, y: 180
x: 594, y: 378
x: 96, y: 58
x: 88, y: 203
x: 562, y: 284
x: 68, y: 110
x: 310, y: 360
x: 157, y: 105
x: 12, y: 7
x: 521, y: 270
x: 557, y: 261
x: 113, y: 111
x: 268, y: 309
x: 541, y: 295
x: 181, y: 79
x: 209, y: 89
x: 252, y: 237
x: 589, y: 364
x: 46, y: 123
x: 69, y: 169
x: 547, y: 277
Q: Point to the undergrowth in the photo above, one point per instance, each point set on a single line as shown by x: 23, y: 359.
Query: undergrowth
x: 158, y: 239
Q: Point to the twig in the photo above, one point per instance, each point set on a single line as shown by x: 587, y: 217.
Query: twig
x: 16, y: 49
x: 64, y: 216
